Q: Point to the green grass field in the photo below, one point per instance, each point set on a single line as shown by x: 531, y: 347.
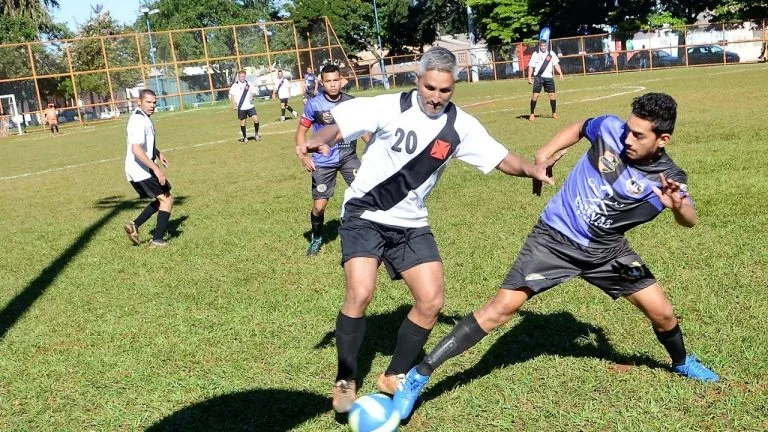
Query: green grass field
x: 229, y: 328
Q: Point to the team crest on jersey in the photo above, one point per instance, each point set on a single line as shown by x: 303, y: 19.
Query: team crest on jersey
x: 327, y: 117
x: 634, y: 187
x: 608, y: 162
x: 440, y: 149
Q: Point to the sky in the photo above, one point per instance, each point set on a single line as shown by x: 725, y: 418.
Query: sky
x: 73, y: 12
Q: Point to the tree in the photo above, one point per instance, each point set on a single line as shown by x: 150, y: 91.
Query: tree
x: 730, y: 10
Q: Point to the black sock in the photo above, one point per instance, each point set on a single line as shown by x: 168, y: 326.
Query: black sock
x: 290, y: 110
x: 162, y: 222
x: 463, y: 337
x: 256, y: 128
x: 553, y: 104
x: 349, y: 338
x: 533, y: 106
x: 146, y: 213
x: 56, y: 127
x: 282, y: 112
x: 410, y: 341
x: 673, y: 342
x: 242, y: 130
x: 317, y: 224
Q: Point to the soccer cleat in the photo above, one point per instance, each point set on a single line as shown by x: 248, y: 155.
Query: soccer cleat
x: 282, y: 118
x: 243, y: 139
x: 408, y: 391
x: 388, y: 383
x: 344, y: 395
x: 295, y: 115
x: 314, y: 246
x: 692, y: 368
x: 156, y: 244
x: 257, y: 137
x: 133, y: 232
x: 555, y: 116
x: 532, y: 117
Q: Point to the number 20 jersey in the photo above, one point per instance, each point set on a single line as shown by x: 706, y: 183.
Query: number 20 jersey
x: 407, y: 154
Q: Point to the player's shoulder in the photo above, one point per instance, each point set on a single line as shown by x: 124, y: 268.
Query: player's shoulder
x: 606, y: 123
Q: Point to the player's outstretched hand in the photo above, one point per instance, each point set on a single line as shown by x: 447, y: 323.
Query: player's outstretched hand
x: 671, y: 193
x: 543, y: 173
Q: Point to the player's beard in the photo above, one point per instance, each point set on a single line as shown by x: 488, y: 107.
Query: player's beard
x: 423, y: 106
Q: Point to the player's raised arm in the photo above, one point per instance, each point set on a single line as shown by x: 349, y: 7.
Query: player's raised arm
x: 674, y: 197
x: 556, y: 148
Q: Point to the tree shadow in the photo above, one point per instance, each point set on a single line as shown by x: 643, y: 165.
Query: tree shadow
x: 560, y: 334
x: 262, y: 410
x: 381, y: 337
x: 24, y: 300
x: 330, y: 231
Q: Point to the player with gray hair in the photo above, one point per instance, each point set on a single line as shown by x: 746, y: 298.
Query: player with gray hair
x: 384, y: 218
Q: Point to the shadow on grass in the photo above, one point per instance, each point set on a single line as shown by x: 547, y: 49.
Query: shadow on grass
x: 330, y: 231
x: 380, y: 337
x: 19, y: 305
x: 559, y: 334
x: 253, y: 410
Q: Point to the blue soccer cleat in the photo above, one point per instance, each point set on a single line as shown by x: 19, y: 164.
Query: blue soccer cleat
x: 314, y: 246
x: 693, y: 369
x: 408, y: 391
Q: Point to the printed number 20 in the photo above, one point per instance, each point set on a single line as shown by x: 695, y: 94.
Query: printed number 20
x: 410, y: 141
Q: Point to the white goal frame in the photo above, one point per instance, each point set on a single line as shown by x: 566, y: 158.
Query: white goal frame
x: 14, y: 111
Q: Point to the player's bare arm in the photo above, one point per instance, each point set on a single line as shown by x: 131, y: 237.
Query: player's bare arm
x: 138, y: 151
x: 322, y: 140
x: 301, y: 138
x: 565, y: 138
x: 672, y: 197
x: 559, y: 71
x: 514, y: 165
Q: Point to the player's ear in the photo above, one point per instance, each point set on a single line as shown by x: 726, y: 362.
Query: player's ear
x: 663, y: 139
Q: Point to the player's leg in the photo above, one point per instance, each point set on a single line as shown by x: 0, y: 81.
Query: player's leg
x: 361, y: 248
x: 323, y: 187
x: 255, y: 120
x: 291, y: 110
x: 56, y: 127
x: 535, y: 97
x: 550, y: 88
x: 283, y: 103
x: 242, y: 115
x: 165, y: 200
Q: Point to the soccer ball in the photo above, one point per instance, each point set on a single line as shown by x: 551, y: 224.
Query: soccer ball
x: 373, y: 413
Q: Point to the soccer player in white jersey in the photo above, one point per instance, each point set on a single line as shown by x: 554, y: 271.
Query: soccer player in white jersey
x: 241, y: 95
x: 543, y: 61
x: 384, y: 218
x: 144, y: 174
x: 283, y: 91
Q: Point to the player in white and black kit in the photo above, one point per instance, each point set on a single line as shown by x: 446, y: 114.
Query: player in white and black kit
x: 283, y: 91
x: 342, y: 158
x: 384, y: 217
x: 543, y: 61
x: 626, y: 178
x: 241, y: 96
x: 144, y: 174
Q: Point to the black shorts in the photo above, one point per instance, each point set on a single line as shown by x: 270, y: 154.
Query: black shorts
x: 324, y: 179
x: 151, y: 187
x: 284, y: 101
x: 309, y: 94
x: 547, y: 83
x: 548, y: 258
x: 399, y: 248
x: 244, y: 114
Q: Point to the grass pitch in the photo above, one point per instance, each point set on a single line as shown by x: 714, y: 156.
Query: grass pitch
x: 229, y: 328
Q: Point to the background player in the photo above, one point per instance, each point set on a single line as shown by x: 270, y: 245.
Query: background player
x: 541, y: 76
x: 342, y: 158
x: 51, y: 118
x: 310, y: 85
x: 384, y: 217
x: 241, y: 96
x: 144, y: 174
x: 625, y: 179
x: 283, y: 91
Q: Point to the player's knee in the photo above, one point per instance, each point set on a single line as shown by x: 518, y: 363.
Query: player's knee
x: 358, y: 298
x: 663, y: 319
x: 431, y: 305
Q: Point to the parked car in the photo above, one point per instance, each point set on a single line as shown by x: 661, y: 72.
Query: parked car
x: 660, y: 58
x: 710, y: 54
x: 592, y: 62
x: 483, y: 73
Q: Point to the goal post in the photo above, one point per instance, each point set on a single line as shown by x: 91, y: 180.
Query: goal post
x: 9, y: 114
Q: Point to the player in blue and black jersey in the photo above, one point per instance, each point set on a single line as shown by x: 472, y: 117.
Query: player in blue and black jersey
x: 342, y: 158
x: 310, y: 85
x: 625, y: 179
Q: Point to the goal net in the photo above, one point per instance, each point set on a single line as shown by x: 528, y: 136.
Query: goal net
x: 10, y: 118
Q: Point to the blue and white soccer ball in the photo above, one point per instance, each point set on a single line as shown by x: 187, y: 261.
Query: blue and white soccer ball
x: 373, y: 413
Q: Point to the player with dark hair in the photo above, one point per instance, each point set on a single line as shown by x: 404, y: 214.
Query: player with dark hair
x: 310, y: 85
x: 384, y: 218
x: 282, y: 90
x: 625, y: 179
x: 241, y: 96
x: 543, y: 61
x: 342, y: 158
x: 144, y: 174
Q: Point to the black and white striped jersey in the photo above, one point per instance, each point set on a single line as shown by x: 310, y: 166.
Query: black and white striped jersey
x: 407, y: 154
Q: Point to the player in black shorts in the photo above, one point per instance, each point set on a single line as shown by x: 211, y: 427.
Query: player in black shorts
x: 241, y: 96
x: 543, y: 62
x: 625, y: 179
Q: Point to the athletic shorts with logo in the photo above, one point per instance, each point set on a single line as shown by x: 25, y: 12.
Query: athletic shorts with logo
x: 151, y: 187
x: 547, y: 83
x: 244, y: 114
x: 549, y: 258
x: 324, y: 178
x: 399, y: 248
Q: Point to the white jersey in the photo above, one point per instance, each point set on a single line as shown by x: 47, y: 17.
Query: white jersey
x: 283, y: 88
x: 537, y: 60
x: 407, y: 154
x: 140, y: 131
x: 237, y: 90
